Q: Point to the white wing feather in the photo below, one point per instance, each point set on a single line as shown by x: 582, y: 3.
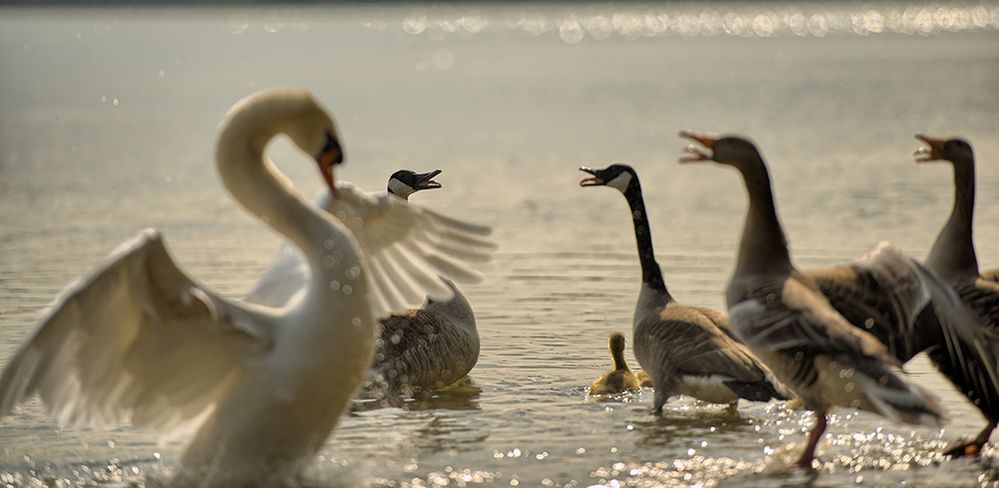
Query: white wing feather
x: 409, y: 250
x: 134, y: 341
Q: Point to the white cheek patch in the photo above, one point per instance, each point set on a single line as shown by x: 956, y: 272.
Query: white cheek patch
x: 621, y: 181
x: 400, y: 189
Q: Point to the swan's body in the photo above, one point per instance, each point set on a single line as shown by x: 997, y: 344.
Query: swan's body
x: 782, y: 315
x: 138, y: 341
x: 954, y: 259
x: 424, y: 348
x: 684, y: 350
x: 620, y: 379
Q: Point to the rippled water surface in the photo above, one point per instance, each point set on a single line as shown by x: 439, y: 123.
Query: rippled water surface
x: 107, y: 128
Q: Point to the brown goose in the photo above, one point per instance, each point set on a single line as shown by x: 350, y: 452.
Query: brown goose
x: 782, y: 315
x: 684, y: 350
x: 428, y: 348
x: 620, y: 379
x: 953, y: 258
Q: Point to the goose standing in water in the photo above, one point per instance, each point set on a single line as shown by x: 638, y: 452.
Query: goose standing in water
x: 137, y: 340
x: 953, y: 258
x: 620, y: 379
x: 683, y: 349
x: 782, y: 315
x: 425, y: 348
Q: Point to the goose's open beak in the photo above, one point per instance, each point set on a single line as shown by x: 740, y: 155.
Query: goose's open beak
x: 932, y: 151
x: 425, y: 181
x: 593, y: 180
x: 695, y: 154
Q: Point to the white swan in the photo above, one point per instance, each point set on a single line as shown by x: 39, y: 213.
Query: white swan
x: 137, y: 340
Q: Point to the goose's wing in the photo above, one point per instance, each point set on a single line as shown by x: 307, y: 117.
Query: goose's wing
x: 135, y: 340
x: 888, y: 294
x: 790, y: 316
x: 789, y: 320
x: 409, y: 249
x: 982, y: 295
x: 909, y: 309
x: 698, y: 347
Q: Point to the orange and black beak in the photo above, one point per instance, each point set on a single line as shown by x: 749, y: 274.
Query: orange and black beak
x: 932, y: 151
x: 332, y: 154
x: 695, y: 154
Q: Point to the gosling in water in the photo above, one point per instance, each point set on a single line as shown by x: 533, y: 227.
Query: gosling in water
x: 620, y: 379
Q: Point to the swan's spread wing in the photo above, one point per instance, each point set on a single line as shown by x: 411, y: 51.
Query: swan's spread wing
x: 136, y: 340
x: 410, y: 249
x: 288, y: 276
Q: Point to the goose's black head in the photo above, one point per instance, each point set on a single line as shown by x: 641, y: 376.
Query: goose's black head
x: 729, y: 150
x: 955, y: 150
x: 619, y: 176
x: 404, y: 182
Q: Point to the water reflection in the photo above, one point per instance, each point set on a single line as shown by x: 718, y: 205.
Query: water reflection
x: 462, y: 395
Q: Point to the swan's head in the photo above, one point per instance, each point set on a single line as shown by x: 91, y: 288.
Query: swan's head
x: 955, y: 150
x: 619, y: 176
x: 404, y: 182
x: 312, y: 129
x: 729, y: 150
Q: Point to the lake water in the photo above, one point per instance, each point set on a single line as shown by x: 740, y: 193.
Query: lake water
x: 108, y: 124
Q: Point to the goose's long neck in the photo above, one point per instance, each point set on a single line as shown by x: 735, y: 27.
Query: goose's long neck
x: 652, y: 275
x: 763, y: 247
x: 954, y: 250
x: 266, y: 193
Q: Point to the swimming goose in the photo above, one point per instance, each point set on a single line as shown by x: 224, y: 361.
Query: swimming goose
x: 620, y: 379
x: 953, y: 258
x: 418, y: 349
x: 425, y: 348
x: 683, y: 349
x: 784, y: 318
x: 137, y: 340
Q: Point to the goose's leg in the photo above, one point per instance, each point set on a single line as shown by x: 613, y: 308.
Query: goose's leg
x: 663, y: 390
x: 973, y: 447
x: 805, y: 461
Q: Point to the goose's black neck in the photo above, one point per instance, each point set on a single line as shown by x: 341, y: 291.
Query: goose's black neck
x: 652, y: 275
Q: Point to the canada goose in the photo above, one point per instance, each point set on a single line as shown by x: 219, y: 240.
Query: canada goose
x: 784, y: 318
x: 137, y: 340
x: 620, y: 379
x: 430, y: 347
x: 683, y: 349
x: 404, y: 182
x: 953, y: 258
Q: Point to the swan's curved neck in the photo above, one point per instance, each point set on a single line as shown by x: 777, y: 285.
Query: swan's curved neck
x: 953, y: 253
x: 763, y: 247
x: 261, y: 188
x: 652, y: 275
